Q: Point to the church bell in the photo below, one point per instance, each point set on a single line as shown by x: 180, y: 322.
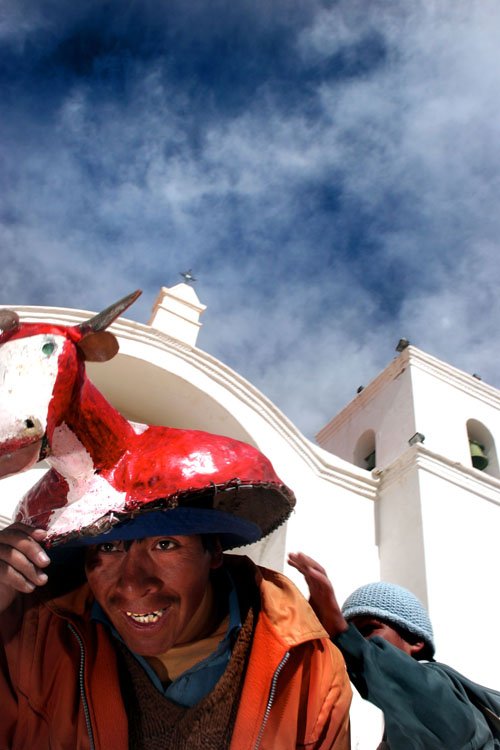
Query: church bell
x: 478, y: 456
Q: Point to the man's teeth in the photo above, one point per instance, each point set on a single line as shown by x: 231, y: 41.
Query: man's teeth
x: 149, y: 617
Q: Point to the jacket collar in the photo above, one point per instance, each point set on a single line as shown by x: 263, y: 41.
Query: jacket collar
x: 288, y: 613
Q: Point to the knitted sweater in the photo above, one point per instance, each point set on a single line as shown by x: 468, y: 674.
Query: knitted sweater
x: 155, y: 722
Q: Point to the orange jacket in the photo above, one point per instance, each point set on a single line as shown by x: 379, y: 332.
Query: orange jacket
x: 59, y: 686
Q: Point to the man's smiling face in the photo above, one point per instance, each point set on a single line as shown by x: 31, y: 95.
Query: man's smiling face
x: 151, y: 588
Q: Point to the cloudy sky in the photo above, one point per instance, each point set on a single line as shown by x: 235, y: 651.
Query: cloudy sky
x: 330, y: 170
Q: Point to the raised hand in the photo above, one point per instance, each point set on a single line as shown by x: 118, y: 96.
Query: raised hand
x: 22, y: 560
x: 322, y: 596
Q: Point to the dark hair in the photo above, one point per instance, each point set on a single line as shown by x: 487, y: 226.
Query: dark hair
x: 209, y: 542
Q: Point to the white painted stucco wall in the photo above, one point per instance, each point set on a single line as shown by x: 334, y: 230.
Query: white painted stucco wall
x: 384, y: 406
x: 460, y: 520
x: 437, y: 518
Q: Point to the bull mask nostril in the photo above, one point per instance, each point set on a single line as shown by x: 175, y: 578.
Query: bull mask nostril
x: 29, y: 424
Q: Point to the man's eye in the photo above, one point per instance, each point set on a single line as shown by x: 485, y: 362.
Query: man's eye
x: 367, y: 630
x: 107, y: 547
x: 165, y: 544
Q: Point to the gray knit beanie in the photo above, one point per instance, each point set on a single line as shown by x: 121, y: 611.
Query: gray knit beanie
x: 392, y: 604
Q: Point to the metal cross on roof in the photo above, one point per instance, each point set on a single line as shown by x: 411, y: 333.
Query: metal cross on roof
x: 187, y: 276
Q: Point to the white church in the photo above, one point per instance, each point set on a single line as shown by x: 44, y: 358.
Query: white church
x: 402, y: 485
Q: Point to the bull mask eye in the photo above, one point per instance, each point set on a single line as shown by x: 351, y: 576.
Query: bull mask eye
x: 49, y: 348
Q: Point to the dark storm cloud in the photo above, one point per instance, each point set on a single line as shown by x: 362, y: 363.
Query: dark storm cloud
x: 329, y: 170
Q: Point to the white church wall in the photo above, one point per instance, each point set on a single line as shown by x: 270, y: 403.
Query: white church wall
x: 399, y: 526
x: 461, y: 525
x: 337, y: 529
x: 384, y: 406
x: 367, y: 724
x: 445, y: 399
x: 437, y: 528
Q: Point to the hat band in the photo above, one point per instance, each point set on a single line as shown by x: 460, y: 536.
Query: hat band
x: 181, y: 521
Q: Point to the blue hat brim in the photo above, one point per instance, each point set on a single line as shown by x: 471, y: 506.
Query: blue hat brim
x: 231, y: 530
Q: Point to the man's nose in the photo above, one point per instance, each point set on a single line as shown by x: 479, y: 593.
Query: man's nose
x: 137, y: 575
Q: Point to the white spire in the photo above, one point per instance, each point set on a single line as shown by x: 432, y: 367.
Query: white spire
x: 177, y: 312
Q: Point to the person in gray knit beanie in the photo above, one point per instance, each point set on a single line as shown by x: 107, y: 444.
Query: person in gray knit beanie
x: 385, y: 635
x: 395, y: 606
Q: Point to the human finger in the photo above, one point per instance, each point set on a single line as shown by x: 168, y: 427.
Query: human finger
x: 305, y: 564
x: 22, y: 558
x: 27, y: 540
